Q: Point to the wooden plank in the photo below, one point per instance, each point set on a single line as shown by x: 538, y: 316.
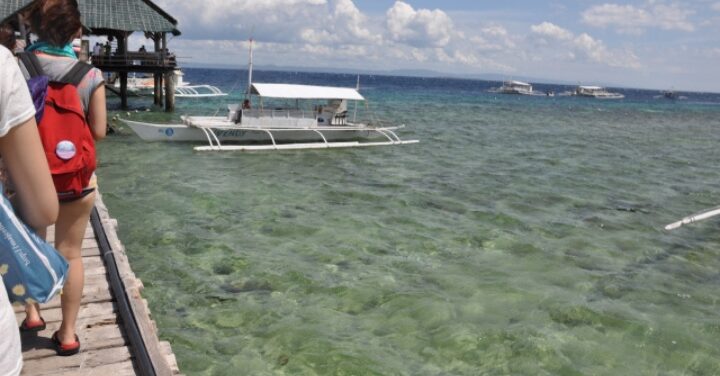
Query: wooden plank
x: 86, y: 311
x: 90, y: 252
x: 89, y: 234
x: 126, y: 368
x: 84, y: 360
x: 170, y: 357
x: 101, y: 334
x: 93, y: 263
x: 91, y: 294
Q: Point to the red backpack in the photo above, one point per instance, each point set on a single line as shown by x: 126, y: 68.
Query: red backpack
x: 64, y: 131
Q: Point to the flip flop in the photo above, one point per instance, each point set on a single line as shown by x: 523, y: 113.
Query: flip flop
x: 65, y: 349
x: 32, y: 326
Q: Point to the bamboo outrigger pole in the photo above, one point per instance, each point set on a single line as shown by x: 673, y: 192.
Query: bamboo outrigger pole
x: 694, y: 218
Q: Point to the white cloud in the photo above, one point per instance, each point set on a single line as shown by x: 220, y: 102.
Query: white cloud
x: 596, y: 51
x: 634, y: 20
x: 348, y: 23
x: 550, y: 30
x: 584, y: 46
x: 282, y: 21
x: 336, y: 33
x: 421, y: 28
x: 302, y: 32
x: 490, y: 38
x: 715, y: 6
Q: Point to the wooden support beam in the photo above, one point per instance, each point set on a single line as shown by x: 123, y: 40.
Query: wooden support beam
x: 157, y: 89
x: 157, y: 76
x: 169, y: 92
x: 169, y: 80
x: 122, y: 44
x: 123, y: 90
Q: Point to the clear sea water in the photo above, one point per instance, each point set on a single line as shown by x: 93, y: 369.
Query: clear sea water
x: 521, y: 236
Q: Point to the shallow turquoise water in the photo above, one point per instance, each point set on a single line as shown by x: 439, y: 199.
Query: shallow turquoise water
x: 521, y: 236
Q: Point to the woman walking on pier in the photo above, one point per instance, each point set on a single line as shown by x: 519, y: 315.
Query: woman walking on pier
x: 56, y: 23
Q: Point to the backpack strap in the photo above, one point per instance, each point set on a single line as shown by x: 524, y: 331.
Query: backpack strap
x: 31, y: 63
x: 76, y: 73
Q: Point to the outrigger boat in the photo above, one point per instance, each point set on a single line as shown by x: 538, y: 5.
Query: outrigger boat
x: 145, y: 85
x: 597, y: 92
x: 325, y: 126
x: 252, y: 127
x: 516, y: 87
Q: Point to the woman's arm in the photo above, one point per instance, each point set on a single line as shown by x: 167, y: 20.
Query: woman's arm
x: 24, y: 157
x: 97, y: 116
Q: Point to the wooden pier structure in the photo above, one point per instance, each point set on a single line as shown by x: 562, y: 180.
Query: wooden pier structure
x: 117, y: 20
x: 114, y: 21
x: 116, y: 331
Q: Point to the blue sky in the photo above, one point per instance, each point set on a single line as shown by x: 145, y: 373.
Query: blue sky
x: 658, y: 44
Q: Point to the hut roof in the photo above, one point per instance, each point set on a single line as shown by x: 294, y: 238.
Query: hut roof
x: 122, y: 15
x: 126, y: 15
x: 9, y: 7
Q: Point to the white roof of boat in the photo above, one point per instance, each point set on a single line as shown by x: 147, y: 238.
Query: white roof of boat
x: 519, y: 83
x: 288, y: 91
x: 591, y: 87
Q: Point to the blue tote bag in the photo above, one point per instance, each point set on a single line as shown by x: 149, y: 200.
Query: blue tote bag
x: 32, y: 270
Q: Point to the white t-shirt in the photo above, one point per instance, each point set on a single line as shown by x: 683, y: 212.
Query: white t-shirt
x: 16, y: 108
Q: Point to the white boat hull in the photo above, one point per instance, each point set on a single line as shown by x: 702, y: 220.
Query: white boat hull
x: 605, y: 96
x: 185, y: 133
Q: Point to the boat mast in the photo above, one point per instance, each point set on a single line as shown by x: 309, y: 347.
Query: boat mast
x: 357, y: 87
x: 250, y: 70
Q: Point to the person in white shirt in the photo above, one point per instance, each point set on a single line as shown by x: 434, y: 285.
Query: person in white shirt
x: 35, y: 201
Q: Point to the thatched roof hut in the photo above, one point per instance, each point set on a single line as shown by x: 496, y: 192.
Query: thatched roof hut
x: 102, y: 16
x: 10, y: 7
x: 118, y: 19
x: 107, y: 17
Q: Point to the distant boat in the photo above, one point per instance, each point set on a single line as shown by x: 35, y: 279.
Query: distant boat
x: 145, y: 85
x: 515, y: 87
x: 671, y: 94
x: 596, y: 92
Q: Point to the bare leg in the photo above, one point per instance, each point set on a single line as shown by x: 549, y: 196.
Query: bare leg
x: 69, y: 232
x: 32, y: 311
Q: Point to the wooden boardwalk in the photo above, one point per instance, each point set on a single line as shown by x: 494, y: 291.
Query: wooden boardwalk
x: 105, y: 337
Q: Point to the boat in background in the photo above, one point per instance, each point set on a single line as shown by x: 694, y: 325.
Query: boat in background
x: 145, y: 85
x: 672, y: 95
x: 515, y: 87
x: 597, y: 92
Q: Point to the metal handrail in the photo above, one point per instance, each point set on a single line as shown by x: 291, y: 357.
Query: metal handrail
x: 276, y: 113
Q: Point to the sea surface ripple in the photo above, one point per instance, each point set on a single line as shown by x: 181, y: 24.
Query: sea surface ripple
x: 521, y: 236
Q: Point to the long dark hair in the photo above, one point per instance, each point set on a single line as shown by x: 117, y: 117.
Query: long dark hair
x: 55, y: 21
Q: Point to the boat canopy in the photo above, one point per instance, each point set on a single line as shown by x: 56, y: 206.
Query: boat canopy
x: 517, y: 83
x: 591, y: 87
x: 286, y: 91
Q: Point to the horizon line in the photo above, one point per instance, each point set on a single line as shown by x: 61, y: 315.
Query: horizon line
x: 431, y: 74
